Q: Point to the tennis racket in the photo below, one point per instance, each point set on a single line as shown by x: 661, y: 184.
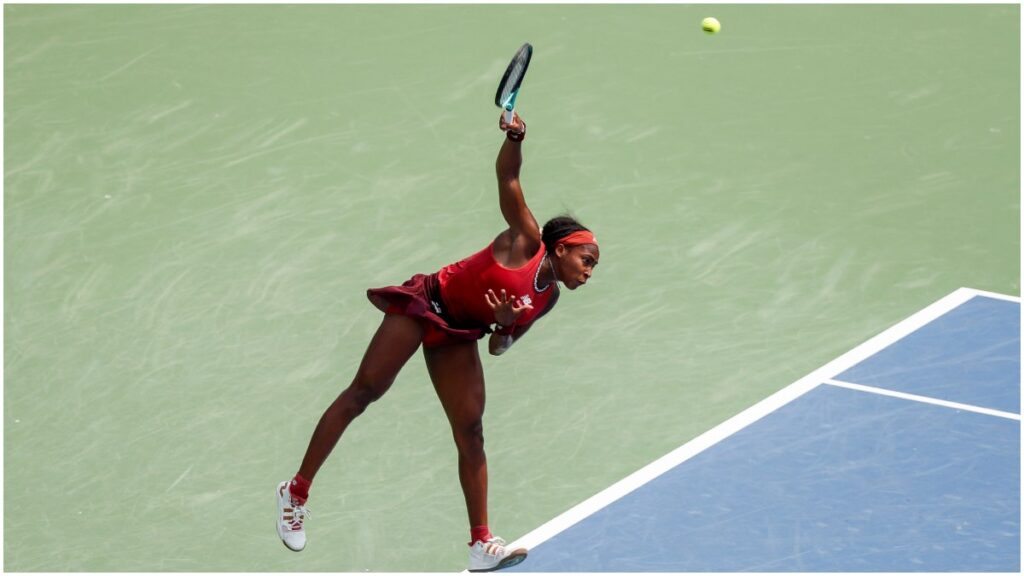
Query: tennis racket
x: 508, y: 88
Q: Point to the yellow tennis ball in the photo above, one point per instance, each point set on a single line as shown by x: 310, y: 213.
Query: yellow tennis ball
x: 711, y: 25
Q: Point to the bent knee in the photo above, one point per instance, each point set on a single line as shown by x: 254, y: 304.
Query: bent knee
x: 358, y: 397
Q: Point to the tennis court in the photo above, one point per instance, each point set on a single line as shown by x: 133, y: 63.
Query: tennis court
x: 196, y: 198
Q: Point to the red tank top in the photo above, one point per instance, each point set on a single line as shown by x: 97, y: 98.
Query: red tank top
x: 464, y: 284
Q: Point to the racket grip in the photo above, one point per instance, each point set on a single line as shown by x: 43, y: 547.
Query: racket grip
x: 508, y: 115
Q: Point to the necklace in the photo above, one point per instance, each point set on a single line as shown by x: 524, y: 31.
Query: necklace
x: 536, y: 276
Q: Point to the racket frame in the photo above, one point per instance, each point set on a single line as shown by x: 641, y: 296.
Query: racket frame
x: 510, y: 102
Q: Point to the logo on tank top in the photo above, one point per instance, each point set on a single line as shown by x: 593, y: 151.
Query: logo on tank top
x: 526, y: 300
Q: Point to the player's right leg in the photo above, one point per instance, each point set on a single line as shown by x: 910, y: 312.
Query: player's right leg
x: 396, y: 340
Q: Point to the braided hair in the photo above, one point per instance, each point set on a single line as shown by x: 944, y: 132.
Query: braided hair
x: 557, y: 228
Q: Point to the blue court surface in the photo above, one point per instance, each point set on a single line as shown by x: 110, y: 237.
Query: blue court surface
x: 902, y: 455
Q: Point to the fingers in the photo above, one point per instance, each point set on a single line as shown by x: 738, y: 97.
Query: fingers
x: 502, y: 305
x: 515, y: 126
x: 493, y: 299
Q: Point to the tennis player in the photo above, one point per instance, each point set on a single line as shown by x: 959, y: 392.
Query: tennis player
x: 501, y: 290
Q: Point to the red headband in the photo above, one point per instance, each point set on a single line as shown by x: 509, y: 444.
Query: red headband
x: 578, y: 238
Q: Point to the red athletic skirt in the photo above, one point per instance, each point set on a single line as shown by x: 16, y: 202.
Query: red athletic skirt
x: 420, y: 298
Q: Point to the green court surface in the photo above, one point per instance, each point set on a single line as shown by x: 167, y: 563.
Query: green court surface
x: 197, y: 197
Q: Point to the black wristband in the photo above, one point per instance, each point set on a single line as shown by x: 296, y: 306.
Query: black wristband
x: 517, y: 136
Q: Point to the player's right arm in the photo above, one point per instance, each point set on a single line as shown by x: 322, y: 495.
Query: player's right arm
x: 523, y: 231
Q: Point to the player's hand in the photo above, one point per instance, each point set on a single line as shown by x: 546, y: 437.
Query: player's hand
x: 505, y: 310
x: 517, y: 124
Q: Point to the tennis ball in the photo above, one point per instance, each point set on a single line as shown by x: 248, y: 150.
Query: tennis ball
x: 711, y: 25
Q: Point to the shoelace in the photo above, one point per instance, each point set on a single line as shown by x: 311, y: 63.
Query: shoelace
x: 299, y: 514
x: 495, y: 546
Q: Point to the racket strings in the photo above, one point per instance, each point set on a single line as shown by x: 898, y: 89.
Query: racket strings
x: 514, y: 78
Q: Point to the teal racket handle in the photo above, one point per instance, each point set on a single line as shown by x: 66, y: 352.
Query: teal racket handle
x: 510, y: 105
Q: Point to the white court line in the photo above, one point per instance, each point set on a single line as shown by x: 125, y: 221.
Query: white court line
x: 770, y: 404
x: 995, y: 295
x: 924, y: 399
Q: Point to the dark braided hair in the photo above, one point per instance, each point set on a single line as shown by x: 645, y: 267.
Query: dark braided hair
x: 559, y: 227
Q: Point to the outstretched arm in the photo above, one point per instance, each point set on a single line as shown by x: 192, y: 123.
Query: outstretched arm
x: 510, y: 193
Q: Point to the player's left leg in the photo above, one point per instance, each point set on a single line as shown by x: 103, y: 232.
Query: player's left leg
x: 458, y: 378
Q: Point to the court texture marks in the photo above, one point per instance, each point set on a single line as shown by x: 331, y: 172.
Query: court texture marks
x: 196, y: 198
x: 901, y: 455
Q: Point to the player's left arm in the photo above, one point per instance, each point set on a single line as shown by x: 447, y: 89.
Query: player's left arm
x: 498, y: 344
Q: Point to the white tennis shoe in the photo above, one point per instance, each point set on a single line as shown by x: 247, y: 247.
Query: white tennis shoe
x: 493, y: 555
x: 290, y: 517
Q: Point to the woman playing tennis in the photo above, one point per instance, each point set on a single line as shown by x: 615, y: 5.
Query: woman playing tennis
x: 501, y: 290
